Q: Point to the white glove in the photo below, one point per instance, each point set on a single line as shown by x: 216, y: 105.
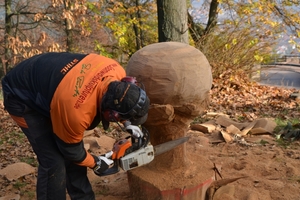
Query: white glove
x: 103, y: 162
x: 135, y: 131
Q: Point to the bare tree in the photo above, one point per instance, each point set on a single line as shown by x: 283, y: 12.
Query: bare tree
x: 18, y: 19
x: 7, y: 33
x: 196, y: 30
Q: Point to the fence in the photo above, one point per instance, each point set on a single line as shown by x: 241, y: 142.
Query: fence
x: 289, y: 59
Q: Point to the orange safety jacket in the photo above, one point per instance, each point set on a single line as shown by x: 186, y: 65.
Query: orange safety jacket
x: 68, y: 88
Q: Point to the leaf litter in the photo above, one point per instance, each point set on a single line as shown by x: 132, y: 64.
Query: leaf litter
x: 233, y: 96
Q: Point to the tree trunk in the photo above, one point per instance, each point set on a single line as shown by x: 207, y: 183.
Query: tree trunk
x: 213, y: 16
x: 8, y: 29
x: 69, y: 34
x: 136, y: 29
x: 196, y: 30
x: 172, y: 21
x: 69, y: 31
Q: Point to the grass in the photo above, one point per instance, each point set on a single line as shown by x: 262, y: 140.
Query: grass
x: 29, y: 194
x: 284, y: 125
x: 283, y: 143
x: 29, y: 160
x: 283, y: 122
x: 13, y: 137
x: 19, y: 185
x: 24, y: 192
x: 263, y: 142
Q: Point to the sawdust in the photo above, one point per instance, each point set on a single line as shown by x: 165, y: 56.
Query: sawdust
x: 269, y: 171
x: 189, y: 175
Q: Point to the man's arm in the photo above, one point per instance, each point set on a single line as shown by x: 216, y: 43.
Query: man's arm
x: 75, y: 152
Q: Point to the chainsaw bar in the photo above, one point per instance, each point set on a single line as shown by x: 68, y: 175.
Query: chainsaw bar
x: 167, y: 146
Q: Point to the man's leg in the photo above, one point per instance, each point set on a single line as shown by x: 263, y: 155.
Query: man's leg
x: 78, y: 184
x: 51, y: 183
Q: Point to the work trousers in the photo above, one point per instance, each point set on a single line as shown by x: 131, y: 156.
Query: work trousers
x: 55, y: 174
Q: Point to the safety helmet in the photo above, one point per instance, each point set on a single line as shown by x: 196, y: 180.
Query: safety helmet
x: 124, y: 101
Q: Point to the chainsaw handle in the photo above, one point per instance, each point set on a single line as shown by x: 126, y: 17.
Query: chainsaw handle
x: 112, y: 170
x: 139, y: 142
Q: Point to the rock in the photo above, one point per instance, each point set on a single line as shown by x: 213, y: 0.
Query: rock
x: 17, y: 170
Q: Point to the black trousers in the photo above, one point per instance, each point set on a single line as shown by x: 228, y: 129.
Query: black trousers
x: 55, y: 174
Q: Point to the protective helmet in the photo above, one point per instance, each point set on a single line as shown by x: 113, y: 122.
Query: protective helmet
x: 124, y: 100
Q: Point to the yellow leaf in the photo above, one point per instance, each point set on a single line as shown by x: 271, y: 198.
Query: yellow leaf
x: 227, y: 46
x: 234, y: 41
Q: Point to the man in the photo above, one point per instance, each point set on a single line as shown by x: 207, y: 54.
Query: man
x: 54, y: 98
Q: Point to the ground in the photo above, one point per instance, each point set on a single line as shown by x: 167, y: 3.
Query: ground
x: 268, y: 167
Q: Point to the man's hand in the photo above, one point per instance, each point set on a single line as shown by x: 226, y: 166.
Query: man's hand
x: 135, y: 131
x: 102, y: 163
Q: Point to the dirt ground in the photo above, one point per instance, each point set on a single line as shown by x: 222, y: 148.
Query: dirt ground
x: 270, y: 171
x: 268, y: 168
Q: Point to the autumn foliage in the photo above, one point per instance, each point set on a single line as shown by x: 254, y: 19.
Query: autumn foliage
x: 232, y: 34
x: 244, y: 100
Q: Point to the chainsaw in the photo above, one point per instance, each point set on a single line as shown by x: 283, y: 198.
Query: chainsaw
x: 130, y: 153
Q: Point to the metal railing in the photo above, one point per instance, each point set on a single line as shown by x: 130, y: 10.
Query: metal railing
x: 288, y: 59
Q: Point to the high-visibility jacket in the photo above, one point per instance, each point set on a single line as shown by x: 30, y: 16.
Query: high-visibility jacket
x: 68, y: 88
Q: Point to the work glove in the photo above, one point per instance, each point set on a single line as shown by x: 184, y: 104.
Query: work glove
x: 102, y: 162
x: 135, y: 131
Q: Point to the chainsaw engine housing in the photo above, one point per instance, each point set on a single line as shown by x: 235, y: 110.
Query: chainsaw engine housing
x: 137, y: 158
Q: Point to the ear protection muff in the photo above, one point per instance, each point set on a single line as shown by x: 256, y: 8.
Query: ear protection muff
x: 129, y: 79
x: 111, y: 116
x: 114, y: 116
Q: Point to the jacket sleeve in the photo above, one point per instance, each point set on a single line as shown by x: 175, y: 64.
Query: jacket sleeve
x: 76, y: 102
x: 76, y: 153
